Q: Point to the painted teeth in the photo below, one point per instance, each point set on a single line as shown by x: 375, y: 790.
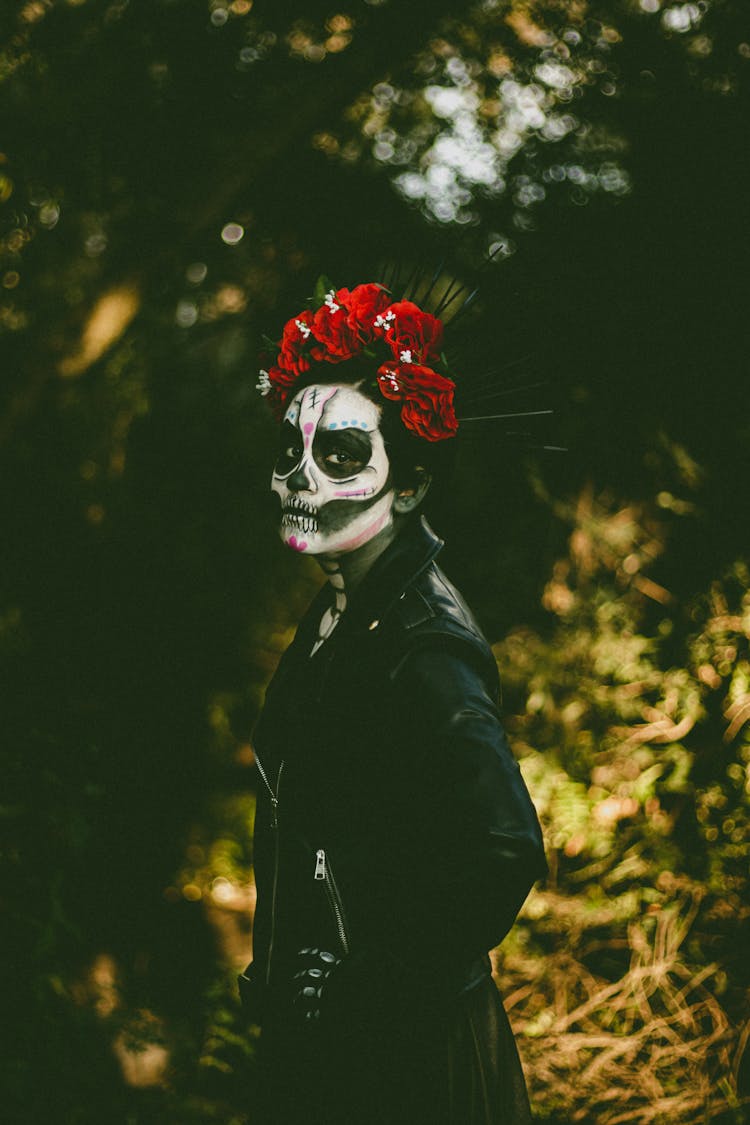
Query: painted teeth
x: 306, y: 524
x: 301, y: 505
x: 300, y: 515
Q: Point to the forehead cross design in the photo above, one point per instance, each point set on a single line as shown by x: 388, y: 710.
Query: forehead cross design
x: 311, y: 405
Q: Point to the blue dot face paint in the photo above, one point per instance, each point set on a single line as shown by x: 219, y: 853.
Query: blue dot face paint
x: 332, y: 475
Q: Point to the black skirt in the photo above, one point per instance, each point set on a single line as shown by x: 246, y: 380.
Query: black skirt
x: 455, y: 1066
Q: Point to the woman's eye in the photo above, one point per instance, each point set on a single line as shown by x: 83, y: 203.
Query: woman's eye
x: 338, y: 457
x: 294, y: 451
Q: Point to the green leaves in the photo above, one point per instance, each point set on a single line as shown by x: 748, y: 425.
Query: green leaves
x: 323, y: 287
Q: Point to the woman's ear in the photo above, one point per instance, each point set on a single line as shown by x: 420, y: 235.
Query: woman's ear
x: 407, y: 499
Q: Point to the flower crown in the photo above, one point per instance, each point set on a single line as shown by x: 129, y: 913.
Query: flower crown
x: 365, y: 321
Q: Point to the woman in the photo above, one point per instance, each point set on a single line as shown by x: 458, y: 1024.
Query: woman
x: 395, y: 840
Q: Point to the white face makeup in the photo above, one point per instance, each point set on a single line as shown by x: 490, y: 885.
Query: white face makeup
x: 332, y: 475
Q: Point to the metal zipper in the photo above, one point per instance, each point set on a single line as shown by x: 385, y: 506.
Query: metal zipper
x: 323, y: 870
x: 275, y: 825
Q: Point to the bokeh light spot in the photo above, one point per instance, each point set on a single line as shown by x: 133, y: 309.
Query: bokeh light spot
x: 336, y: 43
x: 232, y: 233
x: 107, y: 321
x: 339, y: 23
x: 49, y: 213
x: 186, y: 314
x: 33, y: 11
x: 681, y: 17
x: 230, y: 299
x: 196, y: 272
x: 95, y: 244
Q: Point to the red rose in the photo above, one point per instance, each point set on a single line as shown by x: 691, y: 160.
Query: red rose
x: 364, y: 304
x: 426, y: 398
x: 282, y: 383
x: 331, y: 329
x: 409, y: 330
x: 296, y: 342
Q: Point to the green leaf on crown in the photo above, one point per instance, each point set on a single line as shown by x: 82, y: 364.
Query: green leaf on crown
x: 323, y: 286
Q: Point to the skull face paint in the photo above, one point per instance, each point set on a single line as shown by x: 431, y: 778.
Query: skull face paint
x: 332, y: 474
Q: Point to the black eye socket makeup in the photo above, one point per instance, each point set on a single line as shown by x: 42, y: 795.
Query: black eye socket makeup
x: 290, y: 448
x: 343, y: 453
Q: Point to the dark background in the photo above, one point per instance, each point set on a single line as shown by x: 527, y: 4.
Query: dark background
x: 144, y: 595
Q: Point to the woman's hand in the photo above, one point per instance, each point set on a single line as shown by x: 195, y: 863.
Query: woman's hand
x: 309, y: 980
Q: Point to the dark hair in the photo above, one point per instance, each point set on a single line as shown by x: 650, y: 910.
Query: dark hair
x: 410, y: 456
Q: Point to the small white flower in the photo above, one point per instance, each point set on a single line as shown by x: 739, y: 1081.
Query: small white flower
x: 383, y: 321
x: 304, y: 329
x: 406, y: 356
x: 264, y: 383
x: 330, y: 301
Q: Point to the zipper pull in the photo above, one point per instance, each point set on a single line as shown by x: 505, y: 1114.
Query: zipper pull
x: 320, y: 864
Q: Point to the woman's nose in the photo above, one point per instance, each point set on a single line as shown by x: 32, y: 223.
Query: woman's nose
x: 302, y: 480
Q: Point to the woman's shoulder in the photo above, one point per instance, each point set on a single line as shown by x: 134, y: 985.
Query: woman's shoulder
x: 432, y: 598
x: 431, y: 613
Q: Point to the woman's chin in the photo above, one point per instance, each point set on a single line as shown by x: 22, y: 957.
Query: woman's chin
x: 337, y: 540
x: 303, y: 542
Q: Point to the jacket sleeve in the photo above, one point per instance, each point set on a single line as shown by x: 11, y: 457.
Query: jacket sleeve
x: 462, y: 845
x: 473, y: 847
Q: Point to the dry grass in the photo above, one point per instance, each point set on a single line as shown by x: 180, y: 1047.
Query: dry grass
x: 653, y: 1046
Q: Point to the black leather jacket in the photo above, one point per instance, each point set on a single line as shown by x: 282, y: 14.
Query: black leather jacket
x: 393, y: 825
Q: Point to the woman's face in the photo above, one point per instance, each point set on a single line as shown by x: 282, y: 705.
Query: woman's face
x: 332, y: 475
